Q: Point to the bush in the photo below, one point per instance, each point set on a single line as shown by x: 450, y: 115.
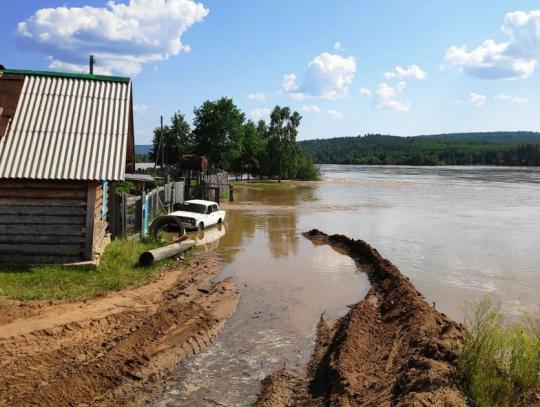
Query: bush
x: 500, y: 360
x: 305, y: 168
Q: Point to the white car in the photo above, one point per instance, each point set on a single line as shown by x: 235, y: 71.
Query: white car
x: 197, y: 214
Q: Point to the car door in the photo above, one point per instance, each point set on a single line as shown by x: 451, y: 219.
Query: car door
x: 215, y: 214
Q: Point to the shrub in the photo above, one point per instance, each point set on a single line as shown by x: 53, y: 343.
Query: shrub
x: 500, y: 360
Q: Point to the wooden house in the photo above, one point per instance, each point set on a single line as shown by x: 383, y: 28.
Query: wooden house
x: 65, y: 140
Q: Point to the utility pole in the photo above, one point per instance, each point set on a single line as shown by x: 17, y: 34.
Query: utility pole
x: 162, y: 142
x: 92, y: 63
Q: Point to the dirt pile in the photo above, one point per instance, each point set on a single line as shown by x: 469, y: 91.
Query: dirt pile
x: 391, y: 348
x: 114, y: 350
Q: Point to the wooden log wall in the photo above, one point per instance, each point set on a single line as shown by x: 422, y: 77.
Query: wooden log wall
x: 100, y: 225
x: 43, y: 221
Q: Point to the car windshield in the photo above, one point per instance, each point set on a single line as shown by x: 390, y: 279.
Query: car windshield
x: 193, y: 207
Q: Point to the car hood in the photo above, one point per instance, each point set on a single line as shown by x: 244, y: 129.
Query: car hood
x: 186, y: 214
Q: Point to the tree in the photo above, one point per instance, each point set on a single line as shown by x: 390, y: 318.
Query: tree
x: 218, y: 132
x: 176, y: 139
x: 254, y: 146
x: 282, y: 134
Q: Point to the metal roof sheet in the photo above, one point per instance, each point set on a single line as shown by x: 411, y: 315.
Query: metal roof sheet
x: 68, y: 128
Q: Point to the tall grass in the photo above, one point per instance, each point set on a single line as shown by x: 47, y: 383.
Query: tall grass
x: 500, y: 360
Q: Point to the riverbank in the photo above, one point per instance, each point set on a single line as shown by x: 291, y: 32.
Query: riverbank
x: 392, y: 348
x: 118, y: 349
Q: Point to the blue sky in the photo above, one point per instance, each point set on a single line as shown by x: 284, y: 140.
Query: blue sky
x: 350, y: 67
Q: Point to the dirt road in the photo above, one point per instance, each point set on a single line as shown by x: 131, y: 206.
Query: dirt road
x: 391, y: 349
x: 114, y: 350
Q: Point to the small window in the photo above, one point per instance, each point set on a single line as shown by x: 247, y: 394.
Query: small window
x: 215, y: 208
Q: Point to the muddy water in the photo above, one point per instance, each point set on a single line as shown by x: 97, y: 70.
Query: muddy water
x: 457, y: 232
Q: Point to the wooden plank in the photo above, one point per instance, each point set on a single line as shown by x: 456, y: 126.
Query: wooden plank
x: 43, y: 193
x: 57, y: 230
x: 42, y: 249
x: 27, y: 259
x: 41, y: 220
x: 37, y: 239
x: 90, y: 206
x: 132, y: 200
x: 8, y: 184
x: 42, y: 210
x: 42, y: 202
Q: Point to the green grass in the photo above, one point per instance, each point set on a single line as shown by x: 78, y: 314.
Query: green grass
x: 500, y: 360
x: 265, y: 184
x: 118, y: 269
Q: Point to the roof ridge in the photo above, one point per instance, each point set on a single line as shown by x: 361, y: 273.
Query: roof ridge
x: 72, y: 75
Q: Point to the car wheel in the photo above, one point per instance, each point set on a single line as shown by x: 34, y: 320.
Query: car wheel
x: 201, y: 226
x: 219, y: 221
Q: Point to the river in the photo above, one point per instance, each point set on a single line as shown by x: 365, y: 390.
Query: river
x: 458, y: 233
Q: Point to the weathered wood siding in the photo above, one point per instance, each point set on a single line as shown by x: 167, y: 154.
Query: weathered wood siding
x: 100, y: 224
x: 44, y: 221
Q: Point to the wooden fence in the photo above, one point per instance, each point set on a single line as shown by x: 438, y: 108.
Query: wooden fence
x: 136, y: 213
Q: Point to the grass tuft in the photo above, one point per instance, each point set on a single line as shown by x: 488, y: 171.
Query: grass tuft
x: 500, y: 360
x: 118, y: 270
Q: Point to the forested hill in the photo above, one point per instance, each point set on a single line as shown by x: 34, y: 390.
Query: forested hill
x: 496, y: 148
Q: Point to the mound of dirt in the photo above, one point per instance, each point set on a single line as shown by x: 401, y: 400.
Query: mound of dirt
x: 119, y: 349
x: 391, y: 349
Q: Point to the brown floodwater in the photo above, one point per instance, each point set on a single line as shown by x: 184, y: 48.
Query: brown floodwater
x: 458, y: 233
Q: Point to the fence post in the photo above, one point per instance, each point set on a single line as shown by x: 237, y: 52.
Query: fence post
x: 144, y: 213
x: 231, y: 193
x: 123, y: 213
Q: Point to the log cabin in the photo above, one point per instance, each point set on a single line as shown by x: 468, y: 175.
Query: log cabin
x: 65, y: 141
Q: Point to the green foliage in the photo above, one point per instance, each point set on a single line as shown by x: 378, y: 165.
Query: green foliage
x: 125, y: 187
x: 177, y: 140
x: 500, y: 361
x: 117, y: 270
x: 218, y: 132
x: 142, y: 158
x: 497, y: 148
x: 233, y: 144
x: 305, y: 168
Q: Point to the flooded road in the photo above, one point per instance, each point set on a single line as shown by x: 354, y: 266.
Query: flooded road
x: 457, y: 232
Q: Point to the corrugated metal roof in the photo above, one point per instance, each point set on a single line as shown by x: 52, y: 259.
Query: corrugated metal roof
x: 68, y: 128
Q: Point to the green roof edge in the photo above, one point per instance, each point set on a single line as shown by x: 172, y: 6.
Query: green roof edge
x: 67, y: 75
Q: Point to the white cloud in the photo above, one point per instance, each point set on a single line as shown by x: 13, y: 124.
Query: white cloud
x: 475, y: 99
x: 140, y: 108
x: 411, y: 72
x: 257, y: 96
x: 364, y: 90
x: 328, y: 76
x: 513, y: 59
x: 511, y: 99
x: 334, y: 114
x: 386, y: 97
x: 289, y: 83
x: 260, y: 113
x: 337, y: 46
x: 311, y: 109
x: 122, y: 36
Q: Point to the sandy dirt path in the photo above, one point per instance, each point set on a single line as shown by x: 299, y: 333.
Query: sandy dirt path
x: 118, y: 349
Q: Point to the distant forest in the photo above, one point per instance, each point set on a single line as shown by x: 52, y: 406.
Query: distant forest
x: 496, y: 148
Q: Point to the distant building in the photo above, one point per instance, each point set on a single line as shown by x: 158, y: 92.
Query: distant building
x: 65, y: 140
